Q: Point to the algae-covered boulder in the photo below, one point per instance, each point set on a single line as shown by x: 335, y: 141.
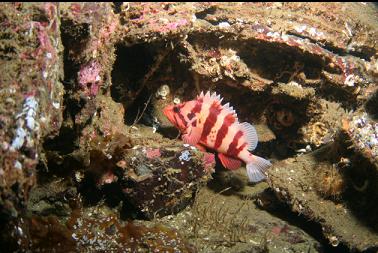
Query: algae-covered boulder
x: 163, y: 180
x: 335, y: 187
x: 31, y: 95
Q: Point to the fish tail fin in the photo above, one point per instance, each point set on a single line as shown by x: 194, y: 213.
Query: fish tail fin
x: 256, y: 168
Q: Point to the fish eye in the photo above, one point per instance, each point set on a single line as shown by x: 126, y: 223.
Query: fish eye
x: 176, y: 109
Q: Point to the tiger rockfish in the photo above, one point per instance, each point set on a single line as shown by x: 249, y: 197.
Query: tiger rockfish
x: 206, y: 122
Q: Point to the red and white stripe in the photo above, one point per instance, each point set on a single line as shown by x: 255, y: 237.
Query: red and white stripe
x: 220, y: 130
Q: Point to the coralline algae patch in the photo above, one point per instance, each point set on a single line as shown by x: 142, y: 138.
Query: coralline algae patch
x: 364, y: 133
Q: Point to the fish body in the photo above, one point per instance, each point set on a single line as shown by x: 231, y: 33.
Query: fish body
x: 206, y: 122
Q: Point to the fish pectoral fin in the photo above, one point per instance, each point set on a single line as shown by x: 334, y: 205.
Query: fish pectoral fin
x: 229, y: 162
x: 251, y: 136
x: 192, y: 136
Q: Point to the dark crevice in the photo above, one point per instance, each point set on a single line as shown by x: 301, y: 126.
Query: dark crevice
x: 64, y: 142
x: 366, y: 55
x: 371, y: 106
x: 131, y: 65
x: 337, y: 94
x: 127, y: 79
x: 117, y: 7
x: 279, y: 63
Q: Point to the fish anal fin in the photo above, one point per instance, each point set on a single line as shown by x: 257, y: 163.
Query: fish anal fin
x: 229, y: 162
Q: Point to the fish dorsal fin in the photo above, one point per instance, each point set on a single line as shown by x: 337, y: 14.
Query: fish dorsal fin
x: 250, y: 135
x: 213, y: 97
x: 231, y: 111
x: 210, y: 97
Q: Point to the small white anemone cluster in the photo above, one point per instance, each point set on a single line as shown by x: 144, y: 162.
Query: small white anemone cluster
x: 26, y: 117
x: 163, y: 92
x: 176, y: 100
x: 365, y: 132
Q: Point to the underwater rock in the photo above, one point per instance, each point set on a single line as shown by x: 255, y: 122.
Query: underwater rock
x: 52, y: 198
x: 362, y: 132
x: 342, y: 207
x: 163, y: 180
x: 89, y: 31
x: 94, y: 229
x: 154, y: 21
x: 221, y: 220
x: 31, y: 95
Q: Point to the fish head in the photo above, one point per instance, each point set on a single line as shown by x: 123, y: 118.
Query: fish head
x: 174, y: 115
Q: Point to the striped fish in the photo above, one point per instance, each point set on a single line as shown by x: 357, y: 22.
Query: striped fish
x: 205, y: 122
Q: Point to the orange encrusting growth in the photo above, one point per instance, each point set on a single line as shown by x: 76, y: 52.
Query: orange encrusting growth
x: 205, y: 121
